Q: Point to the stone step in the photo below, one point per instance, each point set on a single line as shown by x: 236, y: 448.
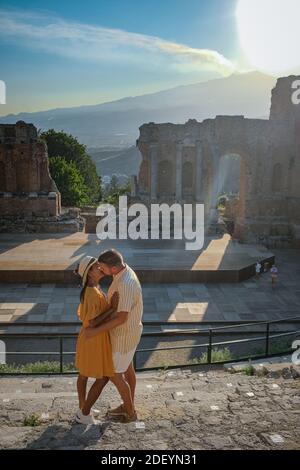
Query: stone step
x: 176, y: 409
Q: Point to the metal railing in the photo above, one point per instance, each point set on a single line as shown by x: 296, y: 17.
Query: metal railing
x: 265, y: 336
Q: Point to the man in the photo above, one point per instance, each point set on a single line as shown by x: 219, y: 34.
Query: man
x: 274, y: 274
x: 125, y: 328
x: 257, y: 269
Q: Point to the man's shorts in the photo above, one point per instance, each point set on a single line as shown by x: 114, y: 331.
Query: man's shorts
x: 122, y: 361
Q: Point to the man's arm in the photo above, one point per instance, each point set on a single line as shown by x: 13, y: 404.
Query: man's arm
x: 126, y: 297
x: 112, y: 308
x: 108, y: 325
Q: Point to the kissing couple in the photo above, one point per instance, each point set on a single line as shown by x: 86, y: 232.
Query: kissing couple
x: 110, y: 333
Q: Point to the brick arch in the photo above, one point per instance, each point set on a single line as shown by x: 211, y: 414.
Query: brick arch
x: 212, y: 157
x: 165, y: 181
x: 230, y: 166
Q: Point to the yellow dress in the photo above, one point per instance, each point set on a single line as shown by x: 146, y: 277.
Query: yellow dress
x: 93, y: 355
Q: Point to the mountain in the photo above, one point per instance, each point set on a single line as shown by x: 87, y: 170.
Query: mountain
x: 116, y: 124
x: 117, y: 162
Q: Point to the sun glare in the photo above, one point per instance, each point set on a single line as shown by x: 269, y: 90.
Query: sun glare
x: 269, y: 34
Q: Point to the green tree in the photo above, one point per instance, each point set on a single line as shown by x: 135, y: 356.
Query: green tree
x: 69, y: 181
x: 68, y: 147
x: 113, y: 186
x: 88, y: 170
x: 114, y: 192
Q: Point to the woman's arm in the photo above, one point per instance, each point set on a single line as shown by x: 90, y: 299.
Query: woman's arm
x: 102, y: 317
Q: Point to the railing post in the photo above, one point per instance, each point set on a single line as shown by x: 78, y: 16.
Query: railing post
x: 268, y: 339
x: 209, y: 349
x: 60, y: 355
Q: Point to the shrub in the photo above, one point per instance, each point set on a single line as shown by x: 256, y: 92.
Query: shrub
x: 31, y: 420
x: 249, y: 369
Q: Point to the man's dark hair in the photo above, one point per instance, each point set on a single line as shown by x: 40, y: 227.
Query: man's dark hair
x: 111, y: 258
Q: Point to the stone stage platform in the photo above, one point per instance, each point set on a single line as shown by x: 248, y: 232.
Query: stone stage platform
x: 51, y: 258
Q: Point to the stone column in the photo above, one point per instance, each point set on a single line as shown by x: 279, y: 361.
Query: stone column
x: 153, y: 157
x: 199, y: 174
x: 179, y: 172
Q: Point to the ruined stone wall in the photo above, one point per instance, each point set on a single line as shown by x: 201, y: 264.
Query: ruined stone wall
x: 181, y: 163
x: 26, y: 186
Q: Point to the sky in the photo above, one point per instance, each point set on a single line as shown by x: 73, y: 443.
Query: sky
x: 67, y: 53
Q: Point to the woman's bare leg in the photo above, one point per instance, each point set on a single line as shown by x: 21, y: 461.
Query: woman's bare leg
x: 94, y: 394
x: 81, y: 389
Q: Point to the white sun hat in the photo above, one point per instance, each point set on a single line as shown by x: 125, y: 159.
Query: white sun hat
x: 84, y: 266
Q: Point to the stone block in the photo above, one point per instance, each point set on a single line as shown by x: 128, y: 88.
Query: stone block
x: 295, y: 371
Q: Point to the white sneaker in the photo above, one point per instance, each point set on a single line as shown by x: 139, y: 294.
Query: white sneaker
x: 85, y: 419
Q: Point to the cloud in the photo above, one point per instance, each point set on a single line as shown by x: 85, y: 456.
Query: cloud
x: 88, y: 42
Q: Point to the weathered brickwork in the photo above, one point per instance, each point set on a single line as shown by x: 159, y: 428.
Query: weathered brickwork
x: 182, y: 163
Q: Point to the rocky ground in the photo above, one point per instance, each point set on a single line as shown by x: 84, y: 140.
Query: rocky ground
x: 177, y: 410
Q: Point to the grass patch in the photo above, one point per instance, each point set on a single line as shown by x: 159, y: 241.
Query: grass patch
x: 248, y: 370
x: 32, y: 420
x: 39, y: 367
x: 218, y: 355
x: 280, y: 347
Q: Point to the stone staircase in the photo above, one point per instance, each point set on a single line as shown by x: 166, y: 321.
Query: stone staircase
x: 178, y: 409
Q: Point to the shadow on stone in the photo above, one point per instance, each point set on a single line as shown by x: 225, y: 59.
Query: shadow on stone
x: 66, y: 437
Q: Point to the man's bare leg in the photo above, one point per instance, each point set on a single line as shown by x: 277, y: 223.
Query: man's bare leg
x: 130, y: 378
x: 125, y: 393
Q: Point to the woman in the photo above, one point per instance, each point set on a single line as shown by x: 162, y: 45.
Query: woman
x: 93, y: 355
